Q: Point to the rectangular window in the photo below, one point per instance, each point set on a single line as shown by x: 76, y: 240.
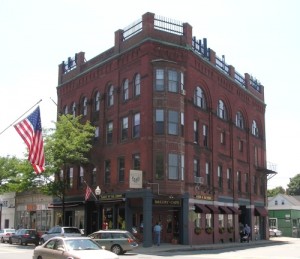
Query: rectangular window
x: 182, y: 124
x: 121, y: 169
x: 196, y: 132
x: 229, y: 177
x: 159, y: 166
x: 97, y: 132
x: 220, y: 177
x: 196, y: 168
x: 70, y: 178
x: 221, y: 221
x: 172, y: 81
x: 136, y: 125
x: 94, y: 176
x: 173, y: 167
x: 124, y: 128
x: 136, y: 161
x: 182, y: 167
x: 239, y: 181
x: 107, y: 172
x: 182, y: 81
x: 205, y: 135
x: 109, y: 132
x: 173, y: 122
x: 81, y: 177
x: 208, y: 174
x: 222, y: 137
x: 159, y: 122
x: 159, y: 80
x: 208, y: 220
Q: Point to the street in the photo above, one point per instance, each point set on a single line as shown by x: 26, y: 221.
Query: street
x: 287, y: 248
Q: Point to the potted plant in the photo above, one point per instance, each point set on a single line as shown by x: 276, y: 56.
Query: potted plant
x: 221, y: 230
x: 197, y: 230
x: 230, y: 229
x: 208, y: 230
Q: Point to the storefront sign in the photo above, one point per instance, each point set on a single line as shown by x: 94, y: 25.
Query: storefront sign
x: 111, y: 197
x: 171, y: 203
x: 204, y: 197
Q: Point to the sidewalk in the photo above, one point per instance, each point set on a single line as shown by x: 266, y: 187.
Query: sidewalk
x: 166, y: 247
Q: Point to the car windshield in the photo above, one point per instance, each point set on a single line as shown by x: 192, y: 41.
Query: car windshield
x: 82, y: 244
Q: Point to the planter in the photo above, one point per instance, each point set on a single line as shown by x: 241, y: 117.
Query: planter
x: 230, y: 229
x: 221, y: 230
x: 197, y: 230
x: 208, y: 230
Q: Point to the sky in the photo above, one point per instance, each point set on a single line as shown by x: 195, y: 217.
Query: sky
x: 258, y: 37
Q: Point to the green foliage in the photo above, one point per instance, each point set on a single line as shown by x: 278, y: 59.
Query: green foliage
x: 275, y: 191
x: 294, y: 185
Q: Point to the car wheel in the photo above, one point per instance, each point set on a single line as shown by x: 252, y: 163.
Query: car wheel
x: 21, y: 242
x: 10, y: 241
x: 2, y: 240
x: 40, y: 257
x: 116, y: 249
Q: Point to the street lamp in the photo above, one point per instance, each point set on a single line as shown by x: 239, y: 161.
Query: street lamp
x: 98, y: 193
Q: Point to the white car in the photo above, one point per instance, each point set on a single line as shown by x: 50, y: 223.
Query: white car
x: 72, y: 247
x: 274, y: 232
x: 5, y: 234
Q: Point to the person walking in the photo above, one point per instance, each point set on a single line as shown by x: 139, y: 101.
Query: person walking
x: 157, y: 232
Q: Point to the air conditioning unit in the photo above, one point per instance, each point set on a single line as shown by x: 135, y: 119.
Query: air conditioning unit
x: 182, y: 91
x: 198, y: 179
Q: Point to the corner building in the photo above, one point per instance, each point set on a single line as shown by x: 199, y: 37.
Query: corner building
x: 180, y: 138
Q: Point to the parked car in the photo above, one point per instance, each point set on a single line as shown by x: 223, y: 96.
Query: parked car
x: 71, y: 247
x: 24, y: 237
x: 61, y: 231
x: 5, y: 234
x: 117, y: 241
x: 274, y: 232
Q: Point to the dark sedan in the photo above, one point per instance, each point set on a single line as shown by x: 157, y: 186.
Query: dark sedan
x: 24, y: 237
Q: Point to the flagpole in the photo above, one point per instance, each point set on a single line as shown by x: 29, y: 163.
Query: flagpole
x: 20, y: 117
x: 91, y: 189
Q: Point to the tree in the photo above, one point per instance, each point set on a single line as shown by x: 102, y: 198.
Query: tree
x: 66, y: 146
x: 294, y: 185
x: 275, y: 191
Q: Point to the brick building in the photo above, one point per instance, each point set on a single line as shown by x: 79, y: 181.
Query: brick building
x: 179, y: 139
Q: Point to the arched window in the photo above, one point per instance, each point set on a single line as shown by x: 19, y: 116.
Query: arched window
x: 239, y: 120
x: 110, y: 99
x: 137, y: 85
x: 125, y: 90
x: 74, y: 109
x: 199, y: 98
x: 254, y: 128
x: 84, y: 106
x: 222, y: 112
x: 97, y: 101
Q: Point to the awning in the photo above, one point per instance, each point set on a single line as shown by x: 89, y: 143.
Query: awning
x: 234, y: 210
x: 261, y: 211
x: 66, y: 205
x: 214, y: 209
x: 224, y: 210
x: 200, y: 208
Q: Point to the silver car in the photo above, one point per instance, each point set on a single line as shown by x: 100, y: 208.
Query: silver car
x: 117, y: 241
x: 5, y: 234
x: 61, y: 231
x: 71, y: 247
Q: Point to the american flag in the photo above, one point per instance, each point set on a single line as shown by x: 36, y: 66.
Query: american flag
x: 88, y: 192
x: 30, y: 130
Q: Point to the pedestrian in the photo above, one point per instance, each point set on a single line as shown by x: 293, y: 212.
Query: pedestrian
x: 247, y: 230
x: 157, y: 232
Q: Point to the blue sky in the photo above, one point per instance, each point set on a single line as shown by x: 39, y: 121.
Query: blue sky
x: 257, y: 37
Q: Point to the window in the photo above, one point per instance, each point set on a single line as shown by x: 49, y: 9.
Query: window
x: 109, y: 132
x: 208, y: 220
x: 137, y: 85
x: 74, y: 110
x: 229, y: 220
x: 241, y: 145
x: 97, y: 132
x: 196, y: 132
x: 80, y: 177
x: 221, y: 221
x: 239, y: 120
x: 208, y: 174
x: 196, y: 168
x: 199, y: 98
x: 121, y: 168
x: 254, y: 128
x: 173, y: 122
x: 182, y: 124
x: 84, y: 106
x: 239, y: 181
x: 70, y: 178
x: 229, y: 179
x: 205, y: 135
x: 66, y: 111
x: 198, y: 220
x: 222, y: 137
x: 222, y: 113
x: 159, y: 80
x: 181, y: 80
x: 136, y: 160
x: 220, y: 177
x: 173, y: 167
x: 159, y: 122
x: 97, y: 102
x: 110, y: 99
x: 94, y: 176
x: 124, y: 128
x: 182, y: 167
x: 125, y: 90
x: 159, y: 166
x: 172, y: 81
x: 107, y: 172
x: 136, y: 125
